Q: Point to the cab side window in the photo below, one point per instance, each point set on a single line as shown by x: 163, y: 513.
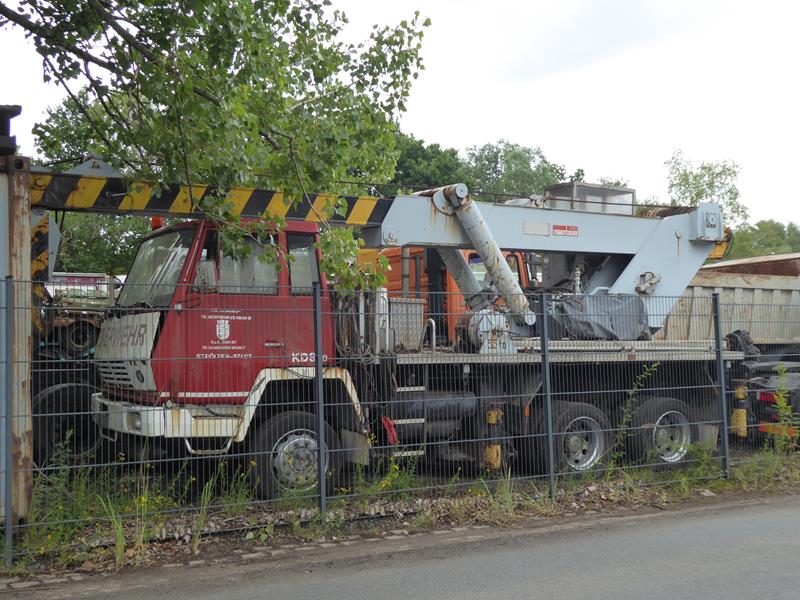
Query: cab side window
x: 303, y: 270
x: 249, y: 274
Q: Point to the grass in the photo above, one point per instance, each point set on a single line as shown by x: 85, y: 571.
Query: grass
x: 237, y: 490
x: 202, y: 512
x: 117, y: 527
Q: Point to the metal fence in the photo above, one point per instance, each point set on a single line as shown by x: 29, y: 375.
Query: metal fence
x: 227, y: 402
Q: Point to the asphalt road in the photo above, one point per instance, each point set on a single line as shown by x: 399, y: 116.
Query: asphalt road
x: 743, y: 551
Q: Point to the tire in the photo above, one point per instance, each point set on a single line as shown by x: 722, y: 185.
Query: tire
x: 62, y: 418
x: 78, y: 339
x: 583, y: 438
x: 582, y: 441
x: 664, y: 431
x: 284, y: 459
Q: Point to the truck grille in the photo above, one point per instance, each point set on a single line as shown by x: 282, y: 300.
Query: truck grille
x: 115, y: 373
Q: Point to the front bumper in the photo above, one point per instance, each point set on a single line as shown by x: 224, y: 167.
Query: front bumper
x: 159, y: 421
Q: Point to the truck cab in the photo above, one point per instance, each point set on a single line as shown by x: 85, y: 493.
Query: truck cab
x: 191, y: 322
x: 198, y: 342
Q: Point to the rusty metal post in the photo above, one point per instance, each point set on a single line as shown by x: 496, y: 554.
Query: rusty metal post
x: 8, y: 428
x: 17, y: 171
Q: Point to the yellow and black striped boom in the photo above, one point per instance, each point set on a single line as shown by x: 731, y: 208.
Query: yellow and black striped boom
x: 112, y: 195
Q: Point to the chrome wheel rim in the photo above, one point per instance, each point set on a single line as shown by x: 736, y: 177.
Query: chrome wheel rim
x: 583, y: 444
x: 672, y: 436
x: 294, y: 460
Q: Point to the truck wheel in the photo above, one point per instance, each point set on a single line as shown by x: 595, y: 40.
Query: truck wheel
x: 78, y: 338
x: 583, y: 437
x: 664, y: 430
x: 63, y: 428
x: 283, y: 455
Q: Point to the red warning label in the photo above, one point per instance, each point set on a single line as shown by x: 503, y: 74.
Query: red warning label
x: 571, y: 230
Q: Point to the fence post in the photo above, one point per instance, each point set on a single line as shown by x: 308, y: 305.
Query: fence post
x: 723, y: 393
x: 544, y: 335
x: 8, y: 424
x: 320, y: 398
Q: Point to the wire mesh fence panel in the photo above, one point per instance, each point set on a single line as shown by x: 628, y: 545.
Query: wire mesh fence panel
x: 209, y: 394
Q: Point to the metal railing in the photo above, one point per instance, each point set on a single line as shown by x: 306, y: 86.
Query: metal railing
x: 225, y: 408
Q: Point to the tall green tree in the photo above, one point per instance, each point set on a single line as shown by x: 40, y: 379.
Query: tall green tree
x: 509, y: 168
x: 764, y: 238
x: 90, y: 243
x: 227, y: 92
x: 422, y: 165
x: 691, y: 183
x: 99, y: 243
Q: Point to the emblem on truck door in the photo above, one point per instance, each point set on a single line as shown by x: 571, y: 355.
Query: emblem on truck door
x: 223, y: 329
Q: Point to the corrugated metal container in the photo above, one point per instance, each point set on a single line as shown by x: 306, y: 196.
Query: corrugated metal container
x: 767, y: 306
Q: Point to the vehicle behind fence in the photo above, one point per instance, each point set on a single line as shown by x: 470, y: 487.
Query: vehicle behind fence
x: 216, y: 405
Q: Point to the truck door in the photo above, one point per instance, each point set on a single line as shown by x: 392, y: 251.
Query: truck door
x: 237, y: 327
x: 303, y: 270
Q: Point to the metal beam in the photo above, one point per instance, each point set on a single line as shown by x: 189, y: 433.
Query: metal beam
x: 79, y: 192
x: 417, y: 221
x: 16, y: 170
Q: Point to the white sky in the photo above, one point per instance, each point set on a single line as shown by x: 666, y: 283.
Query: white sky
x: 612, y: 86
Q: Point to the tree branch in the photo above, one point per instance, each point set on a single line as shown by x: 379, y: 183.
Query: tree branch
x: 126, y: 35
x: 52, y: 37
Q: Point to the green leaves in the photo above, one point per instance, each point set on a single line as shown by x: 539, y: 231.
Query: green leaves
x: 100, y: 243
x: 509, y: 168
x: 765, y: 237
x: 500, y: 168
x: 340, y: 261
x: 227, y: 93
x: 690, y: 184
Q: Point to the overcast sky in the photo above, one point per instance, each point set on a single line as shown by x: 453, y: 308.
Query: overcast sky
x: 611, y: 86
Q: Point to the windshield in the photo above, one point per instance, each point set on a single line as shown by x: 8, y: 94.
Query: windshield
x: 154, y: 274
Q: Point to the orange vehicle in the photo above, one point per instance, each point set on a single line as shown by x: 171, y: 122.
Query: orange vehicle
x: 426, y: 277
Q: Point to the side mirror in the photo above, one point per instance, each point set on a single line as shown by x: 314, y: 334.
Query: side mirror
x: 205, y: 276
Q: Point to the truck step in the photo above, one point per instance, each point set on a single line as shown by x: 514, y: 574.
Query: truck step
x: 405, y: 453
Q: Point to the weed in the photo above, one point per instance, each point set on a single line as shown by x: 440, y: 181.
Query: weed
x: 116, y: 525
x: 262, y: 535
x: 499, y: 505
x: 289, y: 499
x: 202, y: 512
x: 395, y: 480
x: 424, y: 520
x: 628, y: 410
x: 60, y: 508
x: 398, y: 478
x: 784, y: 436
x: 236, y: 490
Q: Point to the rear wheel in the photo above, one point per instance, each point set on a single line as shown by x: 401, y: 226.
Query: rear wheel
x: 583, y: 437
x: 284, y: 456
x: 664, y: 431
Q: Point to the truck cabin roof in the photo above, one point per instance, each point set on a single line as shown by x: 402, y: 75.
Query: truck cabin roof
x: 290, y: 227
